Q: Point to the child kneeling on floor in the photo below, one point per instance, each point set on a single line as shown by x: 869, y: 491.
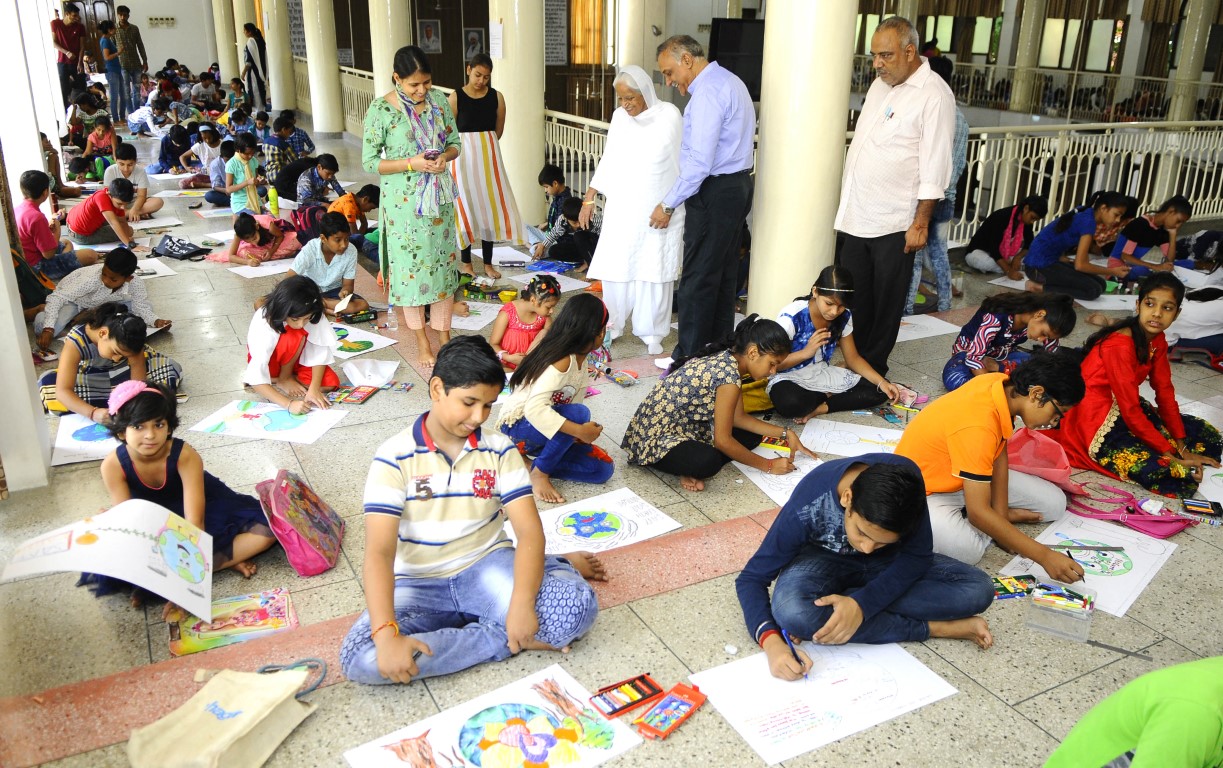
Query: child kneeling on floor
x: 153, y: 465
x: 544, y: 412
x: 852, y: 556
x: 290, y: 349
x: 467, y: 596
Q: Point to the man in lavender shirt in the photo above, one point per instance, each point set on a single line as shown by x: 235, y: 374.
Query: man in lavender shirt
x: 715, y: 159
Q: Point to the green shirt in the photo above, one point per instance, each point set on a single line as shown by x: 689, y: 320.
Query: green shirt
x: 1171, y: 718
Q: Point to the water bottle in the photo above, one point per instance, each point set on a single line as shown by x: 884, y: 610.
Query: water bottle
x: 392, y: 322
x: 273, y: 201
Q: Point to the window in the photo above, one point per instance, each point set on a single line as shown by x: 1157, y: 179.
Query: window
x: 586, y: 31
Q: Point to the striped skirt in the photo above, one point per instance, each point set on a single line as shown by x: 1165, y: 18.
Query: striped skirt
x: 485, y: 209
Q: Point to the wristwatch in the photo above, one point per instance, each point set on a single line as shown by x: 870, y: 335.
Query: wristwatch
x: 667, y: 209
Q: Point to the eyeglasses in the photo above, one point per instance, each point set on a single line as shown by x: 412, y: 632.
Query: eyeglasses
x: 1056, y: 410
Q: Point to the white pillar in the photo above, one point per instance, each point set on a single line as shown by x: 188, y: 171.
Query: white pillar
x: 35, y: 21
x: 244, y: 13
x: 1194, y: 31
x: 1027, y: 56
x: 800, y: 140
x: 390, y: 28
x: 280, y: 54
x: 323, y: 63
x: 1006, y: 36
x: 635, y: 39
x: 227, y: 50
x: 907, y: 9
x: 519, y: 75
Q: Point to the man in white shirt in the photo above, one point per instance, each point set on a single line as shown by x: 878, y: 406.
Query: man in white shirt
x: 896, y: 169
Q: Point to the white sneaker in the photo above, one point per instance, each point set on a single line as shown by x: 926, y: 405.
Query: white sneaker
x: 663, y: 362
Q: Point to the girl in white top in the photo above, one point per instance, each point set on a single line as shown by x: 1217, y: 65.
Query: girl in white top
x: 1200, y: 324
x: 289, y: 350
x: 544, y: 414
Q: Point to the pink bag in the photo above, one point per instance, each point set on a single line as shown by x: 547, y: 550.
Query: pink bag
x: 1129, y: 514
x: 306, y: 526
x: 1032, y: 453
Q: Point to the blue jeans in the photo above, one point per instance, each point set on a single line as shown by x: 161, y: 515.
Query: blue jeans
x: 562, y: 457
x: 59, y: 265
x: 1137, y: 273
x: 366, y: 247
x: 934, y: 255
x: 462, y: 617
x: 119, y: 106
x: 131, y: 86
x: 217, y: 198
x: 949, y: 590
x: 956, y: 372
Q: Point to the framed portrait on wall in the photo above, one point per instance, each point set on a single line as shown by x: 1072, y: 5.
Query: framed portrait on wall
x: 473, y: 42
x: 429, y: 35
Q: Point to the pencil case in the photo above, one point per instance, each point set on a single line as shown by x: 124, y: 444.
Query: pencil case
x: 670, y: 712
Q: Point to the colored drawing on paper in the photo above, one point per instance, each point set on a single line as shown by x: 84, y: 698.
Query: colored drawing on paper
x: 1094, y: 562
x: 779, y: 488
x: 595, y: 528
x: 352, y: 341
x: 249, y: 419
x: 600, y: 523
x: 846, y: 439
x: 541, y: 720
x: 1211, y: 487
x: 341, y: 334
x: 79, y: 439
x: 92, y: 434
x: 234, y: 620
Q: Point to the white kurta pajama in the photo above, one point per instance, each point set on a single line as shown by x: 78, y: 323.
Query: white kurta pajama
x: 637, y: 264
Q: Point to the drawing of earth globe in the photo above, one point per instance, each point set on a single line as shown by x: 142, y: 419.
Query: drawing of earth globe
x: 182, y: 555
x: 595, y: 526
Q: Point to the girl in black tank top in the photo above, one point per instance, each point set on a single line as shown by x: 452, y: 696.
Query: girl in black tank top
x: 476, y: 115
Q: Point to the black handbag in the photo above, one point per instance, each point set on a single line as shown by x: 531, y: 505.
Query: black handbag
x: 178, y: 248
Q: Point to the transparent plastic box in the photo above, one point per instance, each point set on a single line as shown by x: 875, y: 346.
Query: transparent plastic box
x: 1069, y: 625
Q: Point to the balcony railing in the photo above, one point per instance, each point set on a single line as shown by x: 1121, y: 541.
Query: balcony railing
x: 356, y: 92
x: 301, y: 84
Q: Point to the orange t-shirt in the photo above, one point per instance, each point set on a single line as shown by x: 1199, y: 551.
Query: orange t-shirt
x: 347, y: 205
x: 960, y: 435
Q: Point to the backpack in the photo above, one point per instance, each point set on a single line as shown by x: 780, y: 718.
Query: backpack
x: 306, y: 526
x: 306, y: 221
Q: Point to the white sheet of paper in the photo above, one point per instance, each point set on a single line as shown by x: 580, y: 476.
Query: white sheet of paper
x: 265, y: 421
x: 567, y: 283
x: 923, y: 327
x: 163, y: 269
x: 482, y: 314
x: 286, y: 204
x: 496, y: 40
x: 370, y: 373
x: 850, y: 688
x: 1117, y: 577
x: 168, y: 221
x: 214, y: 213
x: 108, y: 247
x: 503, y: 254
x: 168, y: 193
x: 79, y: 439
x: 607, y: 521
x: 1212, y: 484
x: 1110, y: 301
x: 152, y: 329
x: 172, y: 176
x: 343, y: 303
x: 844, y: 439
x: 353, y: 341
x: 457, y: 732
x: 778, y: 487
x: 1099, y: 261
x: 137, y: 541
x: 264, y: 270
x: 225, y: 235
x: 1006, y: 282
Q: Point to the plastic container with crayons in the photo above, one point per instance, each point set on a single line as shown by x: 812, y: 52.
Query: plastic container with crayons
x: 616, y: 699
x: 1064, y: 610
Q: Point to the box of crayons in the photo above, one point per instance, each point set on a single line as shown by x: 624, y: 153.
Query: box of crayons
x: 776, y: 444
x: 1006, y: 587
x: 1062, y: 610
x: 616, y: 699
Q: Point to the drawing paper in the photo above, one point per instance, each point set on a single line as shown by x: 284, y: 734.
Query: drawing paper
x: 504, y: 253
x: 137, y: 541
x: 352, y: 341
x: 915, y: 327
x: 266, y: 269
x: 1212, y: 484
x: 850, y: 688
x: 167, y: 193
x: 265, y: 421
x: 163, y: 269
x: 168, y: 221
x: 1117, y: 577
x: 172, y: 176
x: 482, y: 315
x: 79, y: 439
x: 600, y: 523
x: 554, y: 725
x: 234, y: 619
x: 778, y: 487
x: 214, y: 213
x: 844, y: 439
x: 1109, y: 302
x: 567, y: 283
x: 1006, y: 282
x: 224, y: 236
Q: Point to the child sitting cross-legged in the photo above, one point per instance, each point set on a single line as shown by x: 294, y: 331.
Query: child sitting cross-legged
x: 544, y: 412
x: 445, y: 587
x: 153, y: 465
x: 102, y: 140
x: 522, y: 322
x: 850, y: 559
x: 353, y: 206
x: 143, y: 206
x: 568, y: 240
x: 216, y: 194
x: 989, y: 342
x: 45, y: 251
x: 330, y: 260
x: 82, y: 170
x: 290, y: 349
x: 258, y: 239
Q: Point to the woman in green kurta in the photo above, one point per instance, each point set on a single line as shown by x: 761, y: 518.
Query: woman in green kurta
x: 405, y: 131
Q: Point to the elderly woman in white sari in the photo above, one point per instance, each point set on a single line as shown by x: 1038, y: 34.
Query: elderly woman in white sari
x: 638, y: 264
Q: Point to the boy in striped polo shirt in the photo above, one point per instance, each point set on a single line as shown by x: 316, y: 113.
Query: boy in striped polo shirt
x: 445, y: 587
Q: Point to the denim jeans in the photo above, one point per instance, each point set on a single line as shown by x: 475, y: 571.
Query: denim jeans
x: 949, y: 590
x: 562, y: 457
x: 462, y: 617
x: 131, y: 85
x: 934, y: 255
x: 119, y: 106
x: 217, y: 198
x: 956, y: 372
x: 1137, y: 272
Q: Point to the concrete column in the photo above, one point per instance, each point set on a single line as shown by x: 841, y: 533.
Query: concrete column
x: 1027, y: 56
x: 1006, y: 37
x: 49, y: 107
x: 734, y: 9
x: 799, y: 141
x: 323, y: 63
x: 244, y: 13
x: 227, y: 49
x: 280, y: 54
x: 519, y: 75
x: 390, y: 28
x: 907, y: 9
x: 1194, y: 31
x: 635, y: 38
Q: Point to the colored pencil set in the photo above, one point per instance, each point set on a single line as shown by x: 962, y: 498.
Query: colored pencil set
x: 1062, y: 598
x: 618, y: 698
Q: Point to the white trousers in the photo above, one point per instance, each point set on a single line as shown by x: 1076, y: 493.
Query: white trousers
x: 648, y: 305
x: 955, y: 537
x: 982, y: 261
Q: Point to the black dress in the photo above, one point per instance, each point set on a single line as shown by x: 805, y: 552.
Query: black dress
x: 476, y: 115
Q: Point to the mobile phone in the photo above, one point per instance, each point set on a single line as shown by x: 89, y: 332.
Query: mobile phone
x: 432, y: 154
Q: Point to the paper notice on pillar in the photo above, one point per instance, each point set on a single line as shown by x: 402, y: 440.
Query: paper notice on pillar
x: 496, y: 40
x: 138, y: 542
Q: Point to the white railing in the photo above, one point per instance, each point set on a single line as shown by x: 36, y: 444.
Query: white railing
x: 1064, y: 163
x: 356, y: 92
x: 1074, y: 95
x: 301, y: 84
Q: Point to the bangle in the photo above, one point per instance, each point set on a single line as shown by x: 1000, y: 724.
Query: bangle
x: 394, y: 625
x: 588, y: 202
x: 500, y: 354
x: 765, y: 636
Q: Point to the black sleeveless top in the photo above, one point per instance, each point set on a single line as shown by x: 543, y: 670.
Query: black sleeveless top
x: 476, y: 115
